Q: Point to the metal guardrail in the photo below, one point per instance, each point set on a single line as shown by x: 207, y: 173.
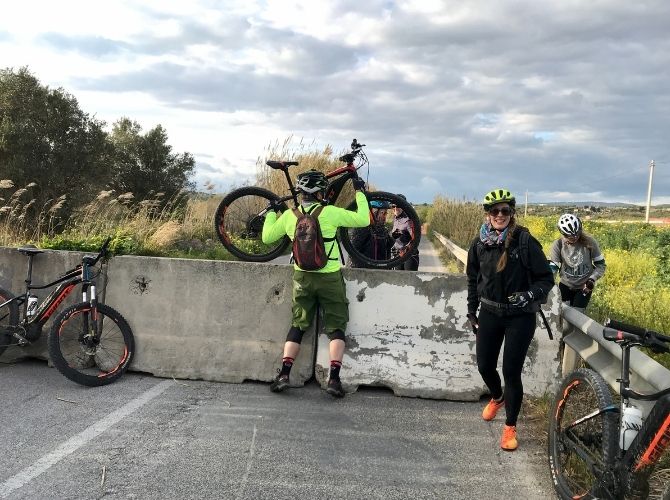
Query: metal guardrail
x: 585, y: 337
x: 458, y: 252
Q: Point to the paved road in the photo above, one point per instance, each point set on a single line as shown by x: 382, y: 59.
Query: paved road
x: 150, y: 438
x: 428, y: 257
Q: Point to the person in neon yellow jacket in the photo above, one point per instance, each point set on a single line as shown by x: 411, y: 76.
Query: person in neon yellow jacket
x: 325, y: 286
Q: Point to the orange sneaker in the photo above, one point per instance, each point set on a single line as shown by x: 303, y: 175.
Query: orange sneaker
x: 508, y: 440
x: 490, y: 410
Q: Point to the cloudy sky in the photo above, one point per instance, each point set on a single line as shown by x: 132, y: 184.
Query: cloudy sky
x: 568, y: 100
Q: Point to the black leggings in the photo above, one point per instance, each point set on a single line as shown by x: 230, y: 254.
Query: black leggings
x: 411, y: 264
x: 517, y: 331
x: 575, y: 298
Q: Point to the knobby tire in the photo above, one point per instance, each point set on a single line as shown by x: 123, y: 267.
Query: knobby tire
x: 91, y: 366
x: 348, y: 236
x: 9, y: 316
x: 580, y: 393
x: 238, y: 223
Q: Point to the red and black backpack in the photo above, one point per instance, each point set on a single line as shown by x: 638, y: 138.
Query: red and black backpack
x: 309, y: 249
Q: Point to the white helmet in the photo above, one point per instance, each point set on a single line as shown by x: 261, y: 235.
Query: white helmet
x: 569, y: 225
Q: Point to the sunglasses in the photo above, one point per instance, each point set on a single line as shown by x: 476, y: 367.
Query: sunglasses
x: 394, y: 206
x: 505, y: 211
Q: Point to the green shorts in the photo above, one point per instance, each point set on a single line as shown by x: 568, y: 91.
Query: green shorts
x: 325, y: 289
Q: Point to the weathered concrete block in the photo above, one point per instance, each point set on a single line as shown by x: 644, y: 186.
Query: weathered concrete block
x: 212, y: 320
x: 408, y: 331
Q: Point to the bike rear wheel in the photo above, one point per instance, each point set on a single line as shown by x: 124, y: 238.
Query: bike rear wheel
x: 90, y: 346
x: 349, y: 236
x: 9, y: 316
x: 581, y: 393
x: 239, y: 220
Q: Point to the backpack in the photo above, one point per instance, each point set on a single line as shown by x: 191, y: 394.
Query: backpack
x: 309, y: 249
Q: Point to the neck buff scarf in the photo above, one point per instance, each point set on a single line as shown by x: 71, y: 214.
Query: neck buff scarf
x: 490, y: 236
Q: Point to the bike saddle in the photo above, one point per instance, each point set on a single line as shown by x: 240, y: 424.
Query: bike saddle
x: 281, y: 165
x: 30, y: 250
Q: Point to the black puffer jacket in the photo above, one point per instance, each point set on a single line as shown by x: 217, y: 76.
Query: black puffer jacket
x: 484, y: 281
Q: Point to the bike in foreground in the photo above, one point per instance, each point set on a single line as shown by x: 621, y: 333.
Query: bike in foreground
x: 602, y: 449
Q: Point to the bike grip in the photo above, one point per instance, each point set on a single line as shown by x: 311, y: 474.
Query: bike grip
x: 618, y: 325
x: 619, y: 335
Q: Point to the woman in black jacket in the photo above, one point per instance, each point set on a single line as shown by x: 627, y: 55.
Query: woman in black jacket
x: 509, y: 287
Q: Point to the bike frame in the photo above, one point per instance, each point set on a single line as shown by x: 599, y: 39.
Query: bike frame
x: 32, y: 325
x: 334, y: 188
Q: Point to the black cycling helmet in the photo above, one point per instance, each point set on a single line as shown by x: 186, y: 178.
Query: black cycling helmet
x: 311, y: 182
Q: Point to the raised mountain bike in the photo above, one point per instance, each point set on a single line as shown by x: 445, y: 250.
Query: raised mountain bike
x: 89, y: 342
x: 596, y: 450
x: 241, y: 214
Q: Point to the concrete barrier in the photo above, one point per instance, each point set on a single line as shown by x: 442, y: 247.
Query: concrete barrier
x: 211, y: 320
x: 227, y: 321
x: 408, y: 331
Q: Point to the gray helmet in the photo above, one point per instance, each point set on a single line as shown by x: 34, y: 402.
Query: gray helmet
x: 311, y: 182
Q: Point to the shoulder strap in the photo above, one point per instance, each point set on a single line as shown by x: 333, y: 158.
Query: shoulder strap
x: 524, y: 248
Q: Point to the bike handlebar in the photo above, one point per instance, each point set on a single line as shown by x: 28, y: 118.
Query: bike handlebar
x: 103, y: 251
x: 617, y: 331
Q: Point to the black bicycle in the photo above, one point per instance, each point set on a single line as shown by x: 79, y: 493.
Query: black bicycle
x: 90, y: 343
x: 587, y: 441
x: 240, y: 216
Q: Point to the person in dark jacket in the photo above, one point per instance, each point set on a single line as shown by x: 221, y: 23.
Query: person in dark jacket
x: 403, y: 233
x: 509, y: 294
x: 373, y: 241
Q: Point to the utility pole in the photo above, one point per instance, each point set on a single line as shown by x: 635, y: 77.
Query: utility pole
x: 525, y: 210
x: 651, y: 179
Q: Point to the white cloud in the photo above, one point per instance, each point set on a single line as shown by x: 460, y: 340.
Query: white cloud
x: 569, y: 97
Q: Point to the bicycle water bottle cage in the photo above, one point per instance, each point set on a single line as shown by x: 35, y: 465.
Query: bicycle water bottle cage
x: 30, y: 251
x: 280, y: 165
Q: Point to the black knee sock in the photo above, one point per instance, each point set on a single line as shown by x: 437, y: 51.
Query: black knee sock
x: 286, y: 365
x: 335, y: 369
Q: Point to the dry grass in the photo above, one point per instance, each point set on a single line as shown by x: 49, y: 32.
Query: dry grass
x: 20, y: 218
x: 457, y: 220
x: 322, y: 160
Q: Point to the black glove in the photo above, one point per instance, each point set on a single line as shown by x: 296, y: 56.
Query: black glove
x: 275, y: 205
x: 588, y: 286
x: 520, y: 299
x: 474, y: 322
x: 396, y: 234
x: 359, y: 184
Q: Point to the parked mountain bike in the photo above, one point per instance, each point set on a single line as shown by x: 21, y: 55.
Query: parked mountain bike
x: 240, y: 216
x: 599, y: 449
x: 90, y: 343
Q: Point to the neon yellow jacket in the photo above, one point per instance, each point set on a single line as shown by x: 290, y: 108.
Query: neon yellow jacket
x: 330, y: 218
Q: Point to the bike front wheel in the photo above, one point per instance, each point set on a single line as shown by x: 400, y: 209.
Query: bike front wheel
x: 372, y: 246
x: 239, y: 220
x: 9, y: 316
x: 580, y: 453
x: 91, y: 346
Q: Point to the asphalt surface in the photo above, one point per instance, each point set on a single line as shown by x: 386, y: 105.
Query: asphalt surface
x: 150, y: 438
